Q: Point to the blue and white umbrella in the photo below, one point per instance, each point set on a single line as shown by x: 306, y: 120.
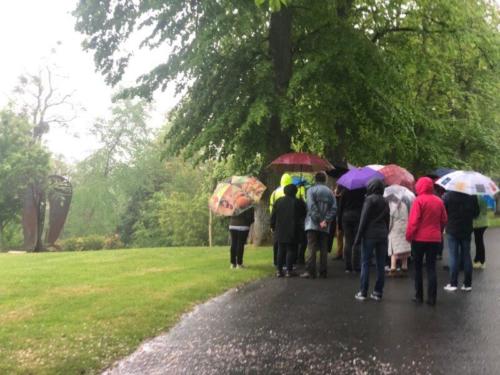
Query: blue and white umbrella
x: 468, y: 182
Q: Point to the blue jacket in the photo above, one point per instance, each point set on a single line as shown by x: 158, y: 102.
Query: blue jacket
x: 321, y: 205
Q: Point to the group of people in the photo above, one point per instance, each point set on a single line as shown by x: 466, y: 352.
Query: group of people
x: 371, y: 225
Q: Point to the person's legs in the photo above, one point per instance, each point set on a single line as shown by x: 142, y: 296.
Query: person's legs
x: 380, y: 254
x: 275, y: 253
x: 480, y: 250
x: 312, y: 247
x: 467, y: 261
x: 282, y: 253
x: 301, y: 256
x: 234, y: 246
x: 366, y: 254
x: 418, y: 252
x: 431, y: 251
x: 349, y: 235
x: 323, y: 253
x: 340, y: 243
x: 290, y: 256
x: 242, y: 240
x: 331, y: 236
x: 453, y: 252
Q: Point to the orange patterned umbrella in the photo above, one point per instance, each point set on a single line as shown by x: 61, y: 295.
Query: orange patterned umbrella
x: 396, y: 175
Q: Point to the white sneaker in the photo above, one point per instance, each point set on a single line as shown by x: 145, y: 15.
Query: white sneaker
x: 360, y: 297
x: 476, y: 265
x: 450, y: 288
x: 466, y: 288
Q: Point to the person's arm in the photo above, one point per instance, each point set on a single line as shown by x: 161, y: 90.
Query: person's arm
x: 413, y: 220
x: 362, y: 221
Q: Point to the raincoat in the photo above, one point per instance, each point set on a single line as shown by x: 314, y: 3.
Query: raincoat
x: 398, y: 245
x: 321, y: 205
x: 279, y: 192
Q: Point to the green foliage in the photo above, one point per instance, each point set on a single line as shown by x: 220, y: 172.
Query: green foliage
x: 93, y: 242
x: 77, y: 313
x: 411, y: 82
x: 22, y: 162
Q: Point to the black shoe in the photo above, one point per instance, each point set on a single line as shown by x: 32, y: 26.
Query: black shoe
x: 279, y: 274
x: 417, y: 300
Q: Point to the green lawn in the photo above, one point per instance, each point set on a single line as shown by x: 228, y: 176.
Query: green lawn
x: 76, y: 313
x: 494, y: 221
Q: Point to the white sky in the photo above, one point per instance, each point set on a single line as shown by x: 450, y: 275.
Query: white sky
x: 29, y: 29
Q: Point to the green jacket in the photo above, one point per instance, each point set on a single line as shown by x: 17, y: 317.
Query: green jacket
x: 482, y: 220
x: 279, y: 192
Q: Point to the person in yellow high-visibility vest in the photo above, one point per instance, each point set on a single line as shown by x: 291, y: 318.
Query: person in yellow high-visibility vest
x: 286, y: 179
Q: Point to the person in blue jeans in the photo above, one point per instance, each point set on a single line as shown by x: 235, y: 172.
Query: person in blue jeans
x: 373, y: 232
x: 461, y: 209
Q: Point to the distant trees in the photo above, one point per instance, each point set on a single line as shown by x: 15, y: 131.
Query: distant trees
x: 22, y: 162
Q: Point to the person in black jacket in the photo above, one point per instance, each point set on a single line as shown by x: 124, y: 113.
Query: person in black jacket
x: 348, y: 215
x: 373, y: 230
x: 461, y: 209
x: 287, y: 221
x: 239, y: 227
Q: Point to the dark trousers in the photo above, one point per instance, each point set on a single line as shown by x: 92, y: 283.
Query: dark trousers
x: 275, y: 253
x: 459, y: 250
x: 379, y: 247
x: 238, y: 240
x: 317, y: 241
x: 286, y: 255
x: 301, y: 250
x: 352, y: 254
x: 479, y: 240
x: 430, y: 250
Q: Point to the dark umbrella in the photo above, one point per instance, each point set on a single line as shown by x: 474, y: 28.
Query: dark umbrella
x: 358, y: 178
x: 340, y: 169
x: 300, y: 162
x: 440, y: 172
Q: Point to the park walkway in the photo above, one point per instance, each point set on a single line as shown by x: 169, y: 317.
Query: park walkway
x: 297, y: 326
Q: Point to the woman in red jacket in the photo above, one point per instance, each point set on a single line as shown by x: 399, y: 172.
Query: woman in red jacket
x: 424, y: 231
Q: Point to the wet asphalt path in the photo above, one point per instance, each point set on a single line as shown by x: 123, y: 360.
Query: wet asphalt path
x: 297, y: 326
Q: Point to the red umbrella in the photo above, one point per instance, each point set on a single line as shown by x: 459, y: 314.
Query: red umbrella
x: 396, y: 175
x: 300, y: 162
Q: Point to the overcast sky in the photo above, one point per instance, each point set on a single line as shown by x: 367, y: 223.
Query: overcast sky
x: 29, y: 29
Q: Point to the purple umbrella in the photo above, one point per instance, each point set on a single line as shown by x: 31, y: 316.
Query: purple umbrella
x: 358, y: 178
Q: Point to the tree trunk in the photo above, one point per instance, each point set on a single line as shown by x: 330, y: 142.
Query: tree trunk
x: 278, y: 141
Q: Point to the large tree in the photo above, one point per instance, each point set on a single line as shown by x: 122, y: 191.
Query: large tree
x: 21, y: 163
x: 405, y: 81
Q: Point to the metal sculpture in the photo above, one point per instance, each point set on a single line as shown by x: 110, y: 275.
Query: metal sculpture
x: 59, y: 195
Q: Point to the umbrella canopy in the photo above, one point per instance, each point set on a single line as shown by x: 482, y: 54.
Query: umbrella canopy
x: 375, y: 167
x: 440, y: 172
x: 250, y: 185
x: 358, y: 178
x: 229, y: 199
x: 300, y: 162
x: 340, y: 169
x: 468, y: 182
x: 396, y: 175
x: 401, y: 193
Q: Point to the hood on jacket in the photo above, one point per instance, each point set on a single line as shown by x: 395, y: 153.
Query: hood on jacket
x: 424, y: 186
x: 286, y: 179
x: 290, y: 190
x: 375, y: 186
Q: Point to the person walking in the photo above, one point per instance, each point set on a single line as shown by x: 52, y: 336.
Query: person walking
x: 399, y: 247
x: 286, y: 222
x: 373, y: 231
x: 321, y: 210
x: 349, y: 213
x: 239, y: 226
x: 339, y: 235
x: 461, y: 209
x: 279, y: 192
x: 480, y: 225
x: 425, y: 228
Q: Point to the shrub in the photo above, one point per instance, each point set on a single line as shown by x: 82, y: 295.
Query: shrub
x: 113, y: 242
x: 83, y: 243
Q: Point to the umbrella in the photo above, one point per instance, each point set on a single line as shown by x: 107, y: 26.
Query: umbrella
x: 375, y: 167
x: 229, y: 199
x: 468, y: 182
x: 400, y: 192
x: 440, y: 172
x: 340, y: 169
x: 396, y: 175
x: 300, y: 162
x: 250, y: 185
x: 358, y: 178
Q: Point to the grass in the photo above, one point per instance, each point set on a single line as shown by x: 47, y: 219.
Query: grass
x: 494, y: 221
x: 76, y: 313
